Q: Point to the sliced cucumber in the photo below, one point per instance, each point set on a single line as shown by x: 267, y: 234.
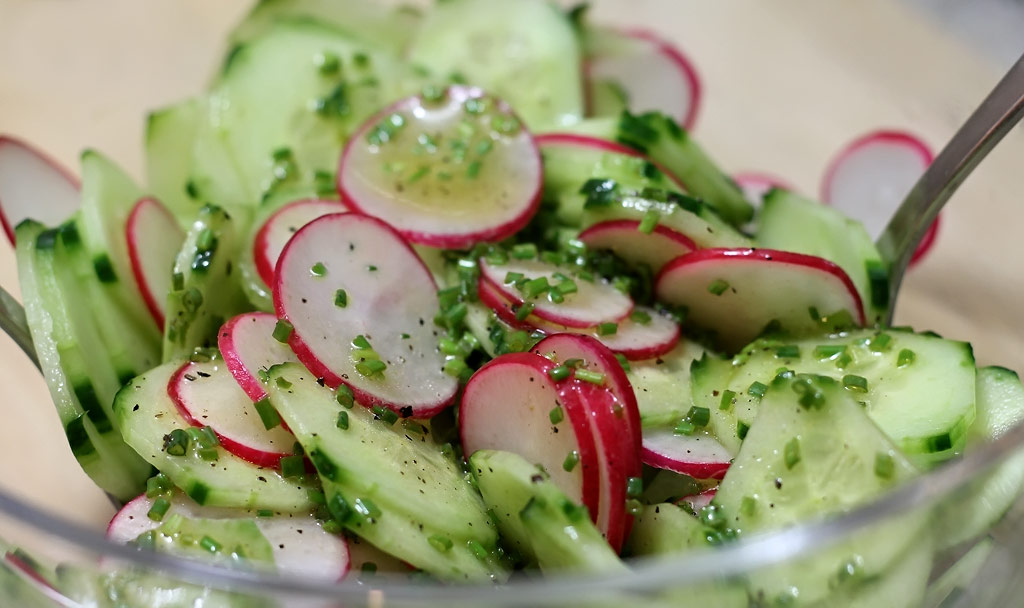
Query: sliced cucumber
x: 537, y: 517
x: 170, y: 132
x: 372, y: 24
x: 69, y: 371
x: 525, y: 52
x: 972, y: 511
x: 284, y: 107
x: 918, y: 388
x: 813, y: 453
x: 206, y: 288
x: 789, y: 222
x: 662, y: 385
x: 146, y: 415
x: 392, y: 486
x: 661, y: 138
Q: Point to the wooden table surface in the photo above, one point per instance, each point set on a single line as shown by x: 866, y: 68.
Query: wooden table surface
x: 787, y: 83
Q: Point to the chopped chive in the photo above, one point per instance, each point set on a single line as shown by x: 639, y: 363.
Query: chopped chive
x: 555, y: 297
x: 742, y: 428
x: 268, y: 415
x: 748, y: 506
x: 843, y: 360
x: 588, y: 376
x: 367, y: 508
x: 607, y: 329
x: 316, y: 497
x: 718, y: 287
x: 282, y: 331
x: 360, y: 341
x: 371, y: 267
x: 524, y: 251
x: 439, y: 542
x: 535, y: 287
x: 634, y: 506
x: 384, y: 414
x: 556, y: 414
x: 571, y: 460
x: 685, y: 427
x: 159, y: 509
x: 791, y: 453
x: 345, y: 396
x: 418, y: 175
x: 524, y: 311
x: 157, y: 484
x: 283, y: 383
x: 318, y: 269
x: 649, y: 221
x: 264, y: 513
x: 456, y: 367
x: 293, y: 466
x: 623, y: 361
x: 210, y: 545
x: 829, y: 351
x: 405, y: 336
x: 885, y: 466
x: 634, y: 486
x: 207, y: 438
x: 341, y: 298
x: 448, y: 346
x: 757, y: 389
x: 559, y: 373
x: 905, y: 358
x: 698, y: 416
x: 728, y: 398
x: 176, y: 442
x: 208, y: 454
x: 789, y: 351
x: 639, y: 316
x: 263, y: 375
x: 879, y: 343
x: 513, y: 277
x: 855, y: 383
x: 342, y: 420
x: 566, y: 287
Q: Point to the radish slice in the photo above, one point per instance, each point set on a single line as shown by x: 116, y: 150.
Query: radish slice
x: 869, y: 177
x: 653, y: 74
x: 299, y: 543
x: 698, y: 455
x: 279, y: 229
x: 755, y: 185
x: 597, y: 148
x: 208, y: 395
x: 390, y: 300
x: 634, y: 338
x: 699, y: 501
x: 737, y: 293
x: 32, y: 185
x: 247, y: 345
x: 154, y: 239
x: 509, y: 404
x: 445, y: 173
x: 624, y: 238
x: 593, y: 302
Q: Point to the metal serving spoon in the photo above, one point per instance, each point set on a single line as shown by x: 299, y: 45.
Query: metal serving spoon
x: 993, y: 119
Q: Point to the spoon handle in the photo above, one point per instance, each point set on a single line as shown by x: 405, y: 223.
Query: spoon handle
x: 993, y: 119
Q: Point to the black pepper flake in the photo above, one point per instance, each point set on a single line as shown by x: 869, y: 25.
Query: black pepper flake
x: 203, y: 374
x: 320, y: 381
x: 190, y: 377
x: 406, y: 411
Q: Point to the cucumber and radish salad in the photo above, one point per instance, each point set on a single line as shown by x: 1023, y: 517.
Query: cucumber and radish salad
x: 457, y: 293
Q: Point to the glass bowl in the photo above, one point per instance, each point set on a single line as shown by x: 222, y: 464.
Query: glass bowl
x: 785, y: 85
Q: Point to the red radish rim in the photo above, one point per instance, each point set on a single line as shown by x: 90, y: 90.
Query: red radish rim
x: 689, y: 71
x: 260, y: 458
x: 133, y: 257
x: 708, y: 495
x: 259, y: 245
x: 225, y: 343
x: 659, y: 229
x: 491, y: 297
x: 760, y: 178
x: 606, y: 145
x: 575, y: 413
x: 453, y: 241
x: 649, y: 352
x: 305, y: 354
x: 767, y: 255
x: 697, y: 470
x: 68, y: 175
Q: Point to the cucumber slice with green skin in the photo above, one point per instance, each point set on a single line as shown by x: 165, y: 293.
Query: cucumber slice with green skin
x: 27, y: 176
x: 665, y: 142
x: 372, y: 25
x: 207, y: 395
x: 285, y: 105
x: 169, y: 137
x: 662, y: 384
x: 145, y: 415
x: 666, y: 529
x: 570, y: 159
x: 683, y: 214
x: 249, y: 349
x: 925, y: 405
x: 812, y: 452
x: 154, y: 238
x: 737, y: 293
x: 446, y: 169
x: 102, y: 455
x: 973, y: 512
x: 630, y: 240
x: 525, y: 52
x: 349, y: 275
x: 902, y: 584
x: 280, y: 227
x: 205, y: 284
x: 387, y: 484
x: 541, y: 522
x: 790, y: 222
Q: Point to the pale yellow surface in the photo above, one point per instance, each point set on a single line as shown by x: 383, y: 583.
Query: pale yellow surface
x: 787, y: 83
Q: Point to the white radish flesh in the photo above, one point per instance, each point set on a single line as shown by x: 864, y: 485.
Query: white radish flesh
x: 698, y: 455
x: 389, y: 298
x: 279, y: 229
x: 33, y: 186
x: 625, y: 239
x: 247, y: 345
x: 154, y: 239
